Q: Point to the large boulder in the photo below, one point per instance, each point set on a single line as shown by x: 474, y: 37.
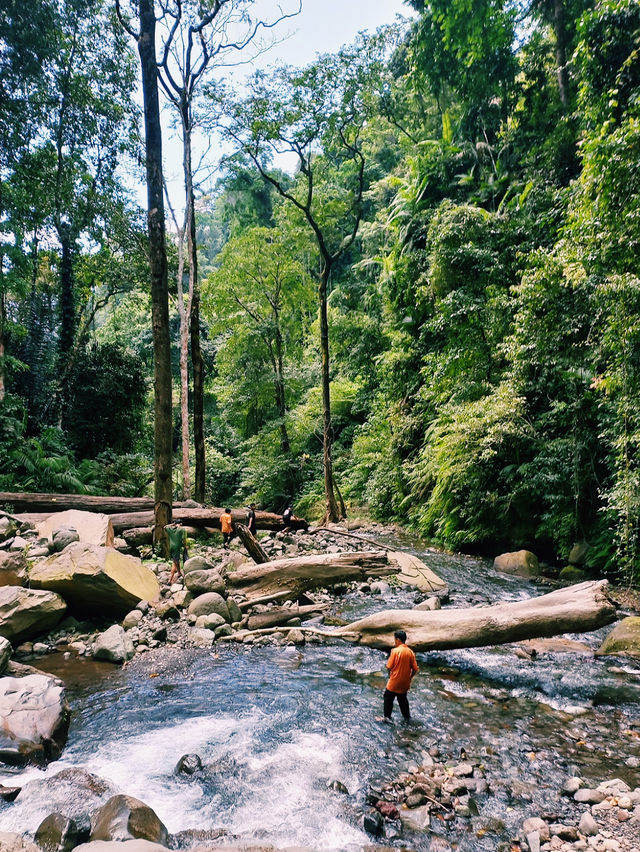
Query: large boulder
x: 26, y: 613
x: 94, y: 579
x: 13, y: 568
x: 91, y: 527
x: 113, y: 645
x: 126, y: 818
x: 117, y: 846
x: 624, y: 639
x: 578, y: 553
x: 208, y: 604
x: 197, y: 563
x: 34, y: 719
x: 523, y: 563
x: 59, y: 833
x: 201, y: 582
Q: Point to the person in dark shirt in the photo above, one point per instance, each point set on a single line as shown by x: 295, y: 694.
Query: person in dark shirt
x: 287, y: 515
x: 251, y: 519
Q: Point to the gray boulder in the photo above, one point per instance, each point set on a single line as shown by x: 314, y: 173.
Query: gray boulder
x: 210, y: 622
x: 13, y: 568
x: 578, y: 553
x: 624, y: 639
x: 235, y: 613
x: 126, y: 818
x: 132, y: 619
x: 201, y: 637
x: 26, y: 613
x: 199, y: 582
x: 116, y: 846
x: 5, y: 654
x: 95, y: 579
x: 197, y: 563
x: 59, y: 833
x: 62, y: 538
x: 35, y: 719
x: 210, y: 603
x: 113, y: 645
x: 523, y: 563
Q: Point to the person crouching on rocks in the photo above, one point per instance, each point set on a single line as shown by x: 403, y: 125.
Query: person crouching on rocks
x: 226, y: 525
x: 402, y: 667
x: 177, y: 536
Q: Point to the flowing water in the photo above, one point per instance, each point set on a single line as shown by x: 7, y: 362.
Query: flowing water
x: 276, y: 726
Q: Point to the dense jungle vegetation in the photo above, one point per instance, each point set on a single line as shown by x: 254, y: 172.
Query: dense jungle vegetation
x: 465, y: 212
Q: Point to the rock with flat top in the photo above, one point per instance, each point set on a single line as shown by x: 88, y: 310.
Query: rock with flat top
x: 522, y: 563
x: 90, y: 527
x: 624, y: 639
x: 27, y: 613
x: 96, y: 580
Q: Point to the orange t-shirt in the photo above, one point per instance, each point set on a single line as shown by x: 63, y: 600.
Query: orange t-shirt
x: 225, y: 522
x: 401, y: 663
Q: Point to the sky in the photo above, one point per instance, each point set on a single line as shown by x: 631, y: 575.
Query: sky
x: 323, y: 26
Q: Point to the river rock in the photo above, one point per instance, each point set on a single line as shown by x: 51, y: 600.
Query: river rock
x: 416, y: 819
x: 589, y: 797
x: 572, y: 574
x: 209, y: 603
x: 587, y: 825
x: 59, y: 833
x: 126, y: 818
x: 89, y: 527
x: 578, y: 553
x: 26, y: 613
x: 94, y: 579
x: 235, y: 613
x: 210, y: 622
x: 429, y: 605
x: 197, y: 563
x: 12, y: 842
x: 113, y: 645
x: 5, y: 654
x: 536, y: 824
x: 623, y: 639
x: 202, y: 637
x: 8, y: 528
x: 200, y: 582
x: 572, y: 785
x: 523, y: 563
x: 13, y: 568
x: 188, y: 764
x: 63, y: 537
x: 131, y: 619
x: 35, y: 719
x: 118, y: 846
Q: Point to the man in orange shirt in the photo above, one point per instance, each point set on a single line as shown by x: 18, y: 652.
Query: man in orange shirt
x: 226, y: 525
x: 402, y: 666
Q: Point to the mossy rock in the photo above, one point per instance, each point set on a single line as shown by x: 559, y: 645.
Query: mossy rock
x: 623, y: 639
x: 572, y: 574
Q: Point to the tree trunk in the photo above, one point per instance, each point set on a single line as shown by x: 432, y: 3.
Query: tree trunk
x: 562, y: 39
x: 309, y: 572
x: 49, y: 503
x: 2, y: 322
x: 275, y: 617
x: 251, y: 545
x: 280, y: 391
x: 163, y: 492
x: 198, y: 397
x: 184, y: 368
x: 201, y: 518
x: 332, y: 513
x: 576, y: 609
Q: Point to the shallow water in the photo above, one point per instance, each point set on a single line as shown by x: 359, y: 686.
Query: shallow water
x: 274, y: 727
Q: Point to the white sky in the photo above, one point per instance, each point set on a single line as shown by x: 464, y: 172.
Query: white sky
x: 323, y: 26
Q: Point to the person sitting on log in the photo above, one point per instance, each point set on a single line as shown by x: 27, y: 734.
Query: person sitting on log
x: 177, y: 536
x: 226, y: 525
x: 402, y: 666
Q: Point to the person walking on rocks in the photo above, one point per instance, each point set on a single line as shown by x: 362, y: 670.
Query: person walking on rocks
x: 177, y: 536
x: 251, y: 519
x: 226, y: 525
x: 402, y: 667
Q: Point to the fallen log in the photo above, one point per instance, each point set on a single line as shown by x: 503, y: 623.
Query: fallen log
x: 308, y: 572
x: 251, y: 545
x: 278, y: 596
x: 275, y: 617
x: 50, y: 503
x: 575, y: 609
x: 200, y: 518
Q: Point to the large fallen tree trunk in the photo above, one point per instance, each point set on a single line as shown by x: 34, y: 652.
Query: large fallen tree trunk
x: 49, y: 503
x: 275, y: 617
x: 200, y: 518
x: 575, y: 609
x: 309, y: 572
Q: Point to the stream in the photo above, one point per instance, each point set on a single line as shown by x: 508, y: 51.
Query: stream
x: 276, y: 726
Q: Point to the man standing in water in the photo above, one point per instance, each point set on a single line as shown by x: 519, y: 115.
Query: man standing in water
x: 402, y: 667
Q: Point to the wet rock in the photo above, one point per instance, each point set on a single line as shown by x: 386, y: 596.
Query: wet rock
x: 235, y: 613
x: 13, y: 568
x: 188, y: 764
x: 59, y: 833
x: 201, y: 637
x: 35, y: 719
x: 12, y: 842
x: 623, y: 639
x: 9, y: 794
x: 120, y: 846
x: 373, y: 823
x: 113, y: 645
x: 589, y: 797
x: 127, y: 818
x: 572, y: 574
x: 571, y: 786
x: 415, y: 800
x: 25, y: 613
x: 210, y: 621
x: 296, y: 637
x: 523, y: 563
x: 430, y: 604
x: 223, y: 630
x: 462, y: 770
x: 210, y: 603
x: 94, y: 579
x: 379, y: 587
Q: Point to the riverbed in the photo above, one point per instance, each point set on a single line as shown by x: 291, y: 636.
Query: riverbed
x: 276, y: 727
